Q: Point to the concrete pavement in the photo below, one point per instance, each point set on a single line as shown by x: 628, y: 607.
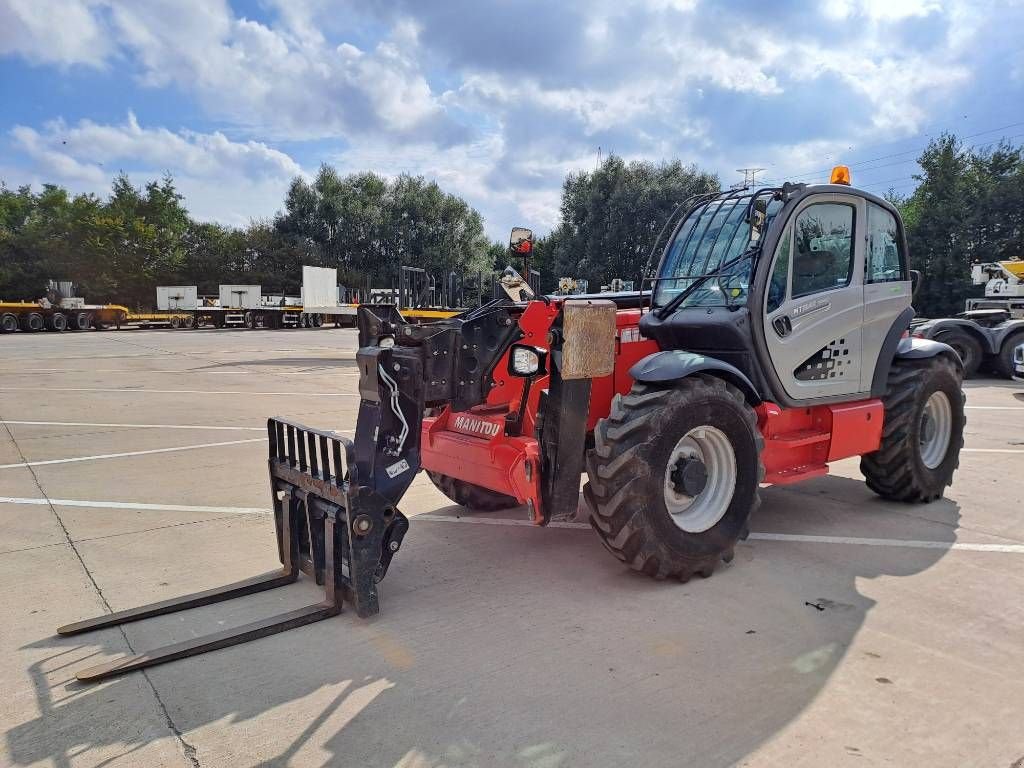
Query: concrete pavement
x: 497, y: 644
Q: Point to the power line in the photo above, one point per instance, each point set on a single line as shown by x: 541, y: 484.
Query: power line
x: 860, y: 163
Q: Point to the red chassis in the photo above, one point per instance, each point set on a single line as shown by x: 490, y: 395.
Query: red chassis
x: 473, y: 445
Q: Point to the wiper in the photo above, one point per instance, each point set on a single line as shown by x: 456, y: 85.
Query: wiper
x: 680, y: 297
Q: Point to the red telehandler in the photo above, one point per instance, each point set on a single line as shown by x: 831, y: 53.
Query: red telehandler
x: 774, y: 341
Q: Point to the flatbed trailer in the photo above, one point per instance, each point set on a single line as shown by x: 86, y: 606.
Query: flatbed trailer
x: 66, y: 316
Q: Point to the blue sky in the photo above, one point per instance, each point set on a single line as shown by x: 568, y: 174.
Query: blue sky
x: 497, y: 101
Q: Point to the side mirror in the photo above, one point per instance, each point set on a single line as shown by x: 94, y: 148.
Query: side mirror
x: 915, y: 282
x: 758, y: 216
x: 521, y: 241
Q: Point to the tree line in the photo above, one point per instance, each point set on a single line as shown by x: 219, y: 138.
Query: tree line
x: 968, y: 206
x: 119, y: 248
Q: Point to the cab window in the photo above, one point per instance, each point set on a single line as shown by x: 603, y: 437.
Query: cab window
x: 823, y: 245
x: 780, y: 273
x: 885, y: 262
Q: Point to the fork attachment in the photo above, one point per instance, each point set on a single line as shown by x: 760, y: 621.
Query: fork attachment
x: 335, y: 502
x: 335, y: 512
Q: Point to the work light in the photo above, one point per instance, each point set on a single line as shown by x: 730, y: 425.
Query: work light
x: 525, y: 360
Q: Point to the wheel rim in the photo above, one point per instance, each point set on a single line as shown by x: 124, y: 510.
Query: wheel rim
x: 700, y: 479
x: 936, y: 429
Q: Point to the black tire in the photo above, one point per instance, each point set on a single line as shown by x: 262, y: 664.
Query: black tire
x: 58, y: 321
x: 1004, y: 360
x: 8, y: 322
x: 33, y: 321
x: 967, y: 347
x: 632, y: 449
x: 474, y: 497
x: 82, y: 321
x: 896, y: 470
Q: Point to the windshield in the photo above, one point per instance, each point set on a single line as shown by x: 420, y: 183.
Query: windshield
x: 714, y: 235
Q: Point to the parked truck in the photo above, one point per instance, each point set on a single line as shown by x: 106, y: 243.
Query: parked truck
x: 989, y: 330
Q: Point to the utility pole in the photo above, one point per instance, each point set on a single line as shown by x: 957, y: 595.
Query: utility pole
x: 749, y: 177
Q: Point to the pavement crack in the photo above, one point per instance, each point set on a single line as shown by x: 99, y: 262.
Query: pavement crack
x: 188, y: 750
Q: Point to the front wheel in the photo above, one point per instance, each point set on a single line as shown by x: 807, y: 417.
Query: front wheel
x: 471, y: 496
x: 922, y: 434
x: 674, y: 476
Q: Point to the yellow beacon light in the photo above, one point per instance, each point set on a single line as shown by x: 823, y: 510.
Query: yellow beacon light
x: 840, y: 175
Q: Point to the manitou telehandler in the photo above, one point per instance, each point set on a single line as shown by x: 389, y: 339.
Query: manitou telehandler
x: 773, y: 341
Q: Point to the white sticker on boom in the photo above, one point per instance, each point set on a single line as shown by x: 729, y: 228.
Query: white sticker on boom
x: 397, y: 468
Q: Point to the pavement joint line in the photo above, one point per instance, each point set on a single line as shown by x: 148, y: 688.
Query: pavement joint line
x: 132, y: 505
x: 140, y: 390
x: 188, y: 750
x: 128, y: 426
x: 992, y: 450
x: 994, y: 407
x: 758, y: 536
x: 329, y: 371
x: 765, y: 536
x: 127, y: 453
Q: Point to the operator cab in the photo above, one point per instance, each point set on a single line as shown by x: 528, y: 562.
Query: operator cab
x: 798, y: 287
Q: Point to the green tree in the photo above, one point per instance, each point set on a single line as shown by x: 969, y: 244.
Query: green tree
x: 968, y: 207
x: 611, y: 216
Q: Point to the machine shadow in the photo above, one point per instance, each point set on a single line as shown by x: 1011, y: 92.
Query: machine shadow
x: 515, y: 646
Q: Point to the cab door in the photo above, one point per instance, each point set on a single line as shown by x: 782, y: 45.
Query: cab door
x: 887, y: 289
x: 814, y: 304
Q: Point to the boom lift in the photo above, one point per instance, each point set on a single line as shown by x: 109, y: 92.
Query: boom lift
x: 773, y: 343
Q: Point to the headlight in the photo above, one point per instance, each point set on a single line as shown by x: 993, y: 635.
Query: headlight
x: 525, y: 360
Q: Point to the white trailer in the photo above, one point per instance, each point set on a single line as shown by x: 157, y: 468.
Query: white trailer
x: 175, y: 297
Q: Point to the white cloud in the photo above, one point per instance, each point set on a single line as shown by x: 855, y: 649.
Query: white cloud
x: 53, y: 31
x: 284, y: 81
x: 444, y: 90
x: 188, y: 153
x: 885, y: 10
x: 225, y: 180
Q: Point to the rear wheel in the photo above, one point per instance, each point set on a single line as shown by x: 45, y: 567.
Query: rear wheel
x: 8, y: 322
x: 57, y: 322
x: 966, y: 346
x: 922, y: 434
x: 674, y: 476
x: 82, y: 321
x: 1004, y: 360
x: 471, y: 496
